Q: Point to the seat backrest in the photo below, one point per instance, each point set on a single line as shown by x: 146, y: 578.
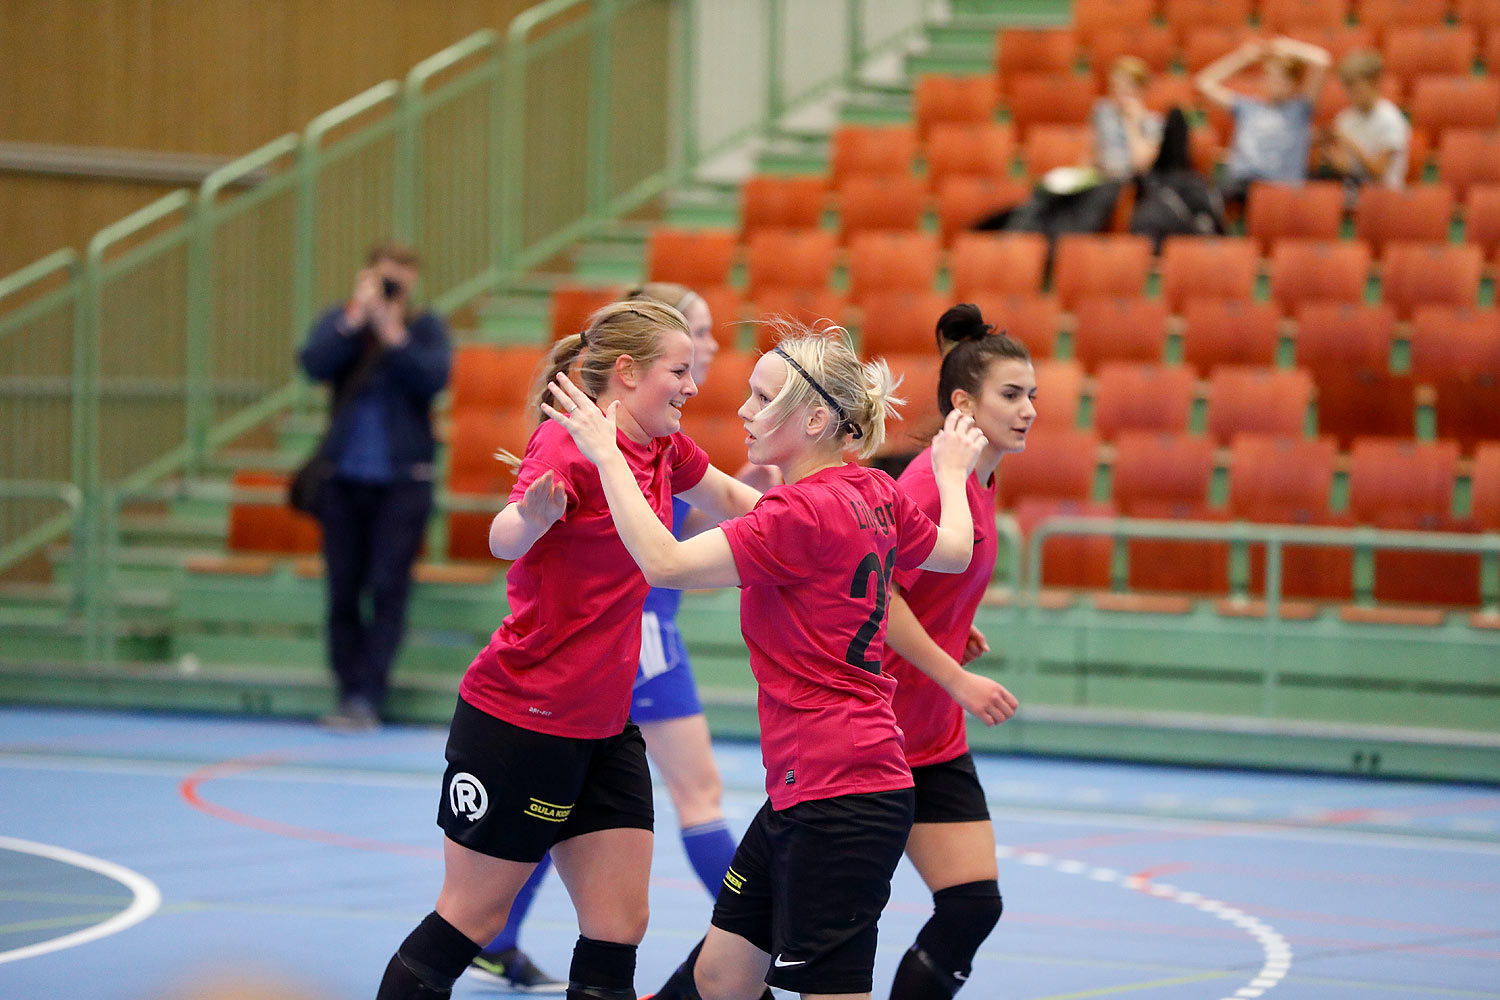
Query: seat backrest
x: 1246, y: 398
x: 1006, y: 263
x: 1132, y: 396
x: 790, y: 259
x: 770, y: 201
x: 889, y: 261
x: 900, y: 322
x: 1417, y: 274
x: 1340, y: 336
x: 697, y: 258
x: 1229, y: 332
x: 1089, y: 264
x: 1206, y: 267
x: 1271, y: 471
x: 878, y: 203
x: 1390, y: 476
x: 1449, y: 340
x: 1313, y: 270
x: 1421, y: 214
x: 1114, y: 328
x: 1155, y: 467
x: 871, y: 150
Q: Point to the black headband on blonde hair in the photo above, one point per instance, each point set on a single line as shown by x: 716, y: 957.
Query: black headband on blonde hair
x: 844, y: 421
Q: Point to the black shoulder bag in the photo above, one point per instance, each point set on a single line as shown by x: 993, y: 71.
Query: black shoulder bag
x: 305, y: 491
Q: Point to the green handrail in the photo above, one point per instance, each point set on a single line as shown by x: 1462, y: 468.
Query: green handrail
x: 1275, y: 538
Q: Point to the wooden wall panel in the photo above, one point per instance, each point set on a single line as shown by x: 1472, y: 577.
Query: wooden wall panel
x: 40, y: 214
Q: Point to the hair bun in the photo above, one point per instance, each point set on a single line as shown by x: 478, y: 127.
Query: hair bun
x: 962, y: 322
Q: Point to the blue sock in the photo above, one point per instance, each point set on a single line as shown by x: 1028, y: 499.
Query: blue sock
x: 710, y: 849
x: 507, y: 939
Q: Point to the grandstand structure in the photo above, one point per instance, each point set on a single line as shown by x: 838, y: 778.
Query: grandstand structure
x: 1258, y: 521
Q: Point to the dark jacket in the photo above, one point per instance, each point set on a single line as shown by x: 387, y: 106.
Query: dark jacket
x: 405, y: 380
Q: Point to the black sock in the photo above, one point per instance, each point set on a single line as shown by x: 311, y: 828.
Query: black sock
x: 428, y: 962
x: 943, y: 956
x: 680, y: 985
x: 602, y: 970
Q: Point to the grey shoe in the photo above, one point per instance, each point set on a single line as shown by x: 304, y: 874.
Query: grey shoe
x: 354, y: 715
x: 514, y: 971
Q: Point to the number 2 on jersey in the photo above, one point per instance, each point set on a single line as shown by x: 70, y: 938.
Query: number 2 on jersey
x: 859, y: 646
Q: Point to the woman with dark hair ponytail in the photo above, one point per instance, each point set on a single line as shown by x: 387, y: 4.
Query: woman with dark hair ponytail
x: 988, y: 377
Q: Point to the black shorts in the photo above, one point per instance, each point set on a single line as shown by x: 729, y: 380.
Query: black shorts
x: 512, y: 793
x: 807, y: 885
x: 949, y: 792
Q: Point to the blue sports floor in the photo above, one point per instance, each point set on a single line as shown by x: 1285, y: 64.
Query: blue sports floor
x: 167, y: 856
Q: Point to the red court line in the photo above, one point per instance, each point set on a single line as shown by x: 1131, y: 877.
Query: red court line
x: 188, y: 789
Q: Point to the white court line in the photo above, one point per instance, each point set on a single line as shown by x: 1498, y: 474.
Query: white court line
x: 146, y: 902
x: 1278, y: 954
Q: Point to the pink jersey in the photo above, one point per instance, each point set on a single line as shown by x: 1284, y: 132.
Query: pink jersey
x: 945, y: 604
x: 564, y: 660
x: 815, y: 560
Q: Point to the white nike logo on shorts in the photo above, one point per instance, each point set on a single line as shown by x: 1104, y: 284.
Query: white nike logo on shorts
x: 783, y: 965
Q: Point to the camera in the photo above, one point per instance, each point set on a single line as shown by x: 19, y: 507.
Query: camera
x: 390, y: 288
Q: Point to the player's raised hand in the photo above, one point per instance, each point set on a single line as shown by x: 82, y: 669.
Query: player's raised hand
x: 957, y: 445
x: 544, y: 501
x: 592, y: 429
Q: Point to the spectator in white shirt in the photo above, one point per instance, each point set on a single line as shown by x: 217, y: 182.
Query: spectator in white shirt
x: 1370, y: 140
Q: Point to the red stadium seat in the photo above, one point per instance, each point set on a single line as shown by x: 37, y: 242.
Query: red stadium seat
x: 914, y: 425
x: 1389, y: 17
x: 1467, y: 407
x: 1454, y: 341
x: 1360, y: 401
x: 1439, y: 103
x: 1154, y: 468
x: 774, y: 202
x: 572, y: 305
x: 1059, y: 463
x: 1195, y: 567
x: 808, y: 306
x: 1310, y: 270
x: 268, y: 527
x: 1153, y: 44
x: 1312, y: 211
x: 723, y: 437
x: 891, y: 262
x: 1142, y: 397
x: 1185, y: 16
x: 1201, y: 46
x: 1484, y: 500
x: 1229, y: 332
x: 473, y: 470
x: 1285, y: 15
x: 1059, y: 391
x: 900, y: 322
x: 1006, y: 264
x: 1110, y: 328
x: 1090, y: 265
x: 968, y: 149
x: 1269, y: 472
x: 1468, y: 156
x: 1049, y: 99
x: 697, y: 258
x: 1202, y: 267
x: 1335, y: 337
x: 1091, y: 17
x: 492, y: 377
x: 964, y: 201
x: 1034, y: 50
x: 1244, y: 399
x: 726, y: 388
x: 1433, y: 50
x: 1075, y: 561
x: 726, y: 306
x: 874, y: 203
x: 798, y: 259
x: 1401, y: 475
x: 1418, y: 274
x: 1033, y: 319
x: 1048, y: 146
x: 871, y: 150
x: 1482, y: 218
x: 1421, y: 214
x: 1338, y: 39
x: 941, y: 98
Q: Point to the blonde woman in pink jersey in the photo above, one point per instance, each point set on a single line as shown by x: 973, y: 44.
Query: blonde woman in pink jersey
x: 814, y: 561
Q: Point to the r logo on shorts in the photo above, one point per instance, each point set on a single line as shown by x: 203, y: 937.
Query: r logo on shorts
x: 467, y: 797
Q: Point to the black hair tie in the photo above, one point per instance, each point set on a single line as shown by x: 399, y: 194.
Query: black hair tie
x: 845, y: 423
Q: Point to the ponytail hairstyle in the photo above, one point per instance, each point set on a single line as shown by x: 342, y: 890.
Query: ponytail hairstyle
x: 969, y: 346
x: 824, y: 371
x: 618, y: 329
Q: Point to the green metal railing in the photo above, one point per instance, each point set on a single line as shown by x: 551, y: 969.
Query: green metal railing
x: 176, y: 331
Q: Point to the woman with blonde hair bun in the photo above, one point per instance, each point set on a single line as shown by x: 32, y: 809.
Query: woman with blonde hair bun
x: 814, y: 561
x: 542, y: 755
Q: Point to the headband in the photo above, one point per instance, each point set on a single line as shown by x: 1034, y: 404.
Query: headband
x: 844, y: 421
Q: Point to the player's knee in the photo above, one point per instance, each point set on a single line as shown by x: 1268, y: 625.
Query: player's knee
x: 975, y: 906
x: 720, y: 982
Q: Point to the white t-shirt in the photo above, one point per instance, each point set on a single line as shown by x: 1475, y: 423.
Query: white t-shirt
x: 1383, y: 128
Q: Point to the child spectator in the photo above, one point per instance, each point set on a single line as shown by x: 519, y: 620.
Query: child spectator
x: 1370, y: 140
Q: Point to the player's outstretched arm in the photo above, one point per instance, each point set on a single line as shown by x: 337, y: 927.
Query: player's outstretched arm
x: 955, y: 450
x: 704, y: 561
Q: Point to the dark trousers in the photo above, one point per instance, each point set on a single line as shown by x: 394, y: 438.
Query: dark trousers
x: 371, y: 535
